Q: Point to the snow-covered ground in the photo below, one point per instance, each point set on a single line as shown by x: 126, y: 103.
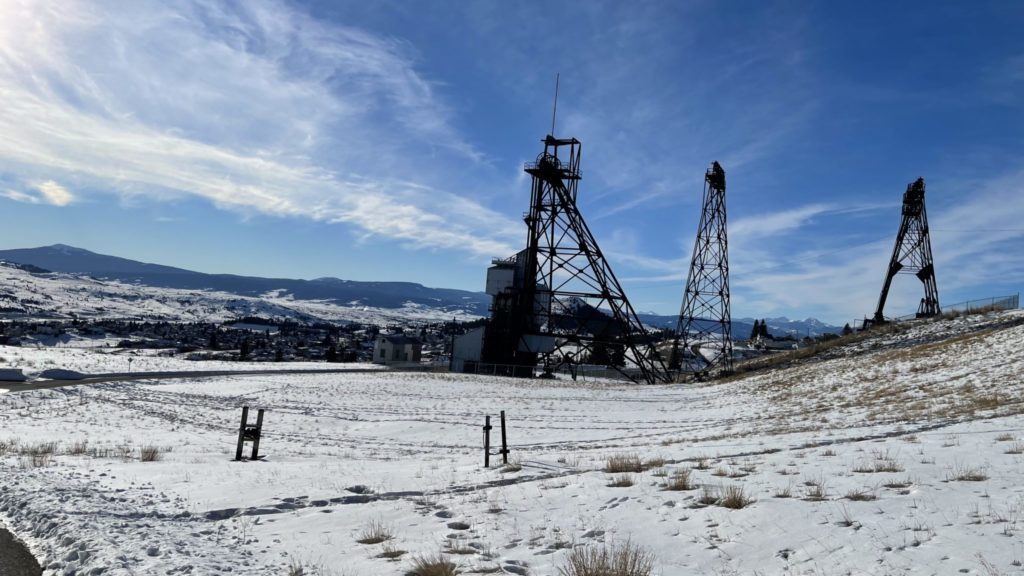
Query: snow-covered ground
x: 898, y: 454
x: 57, y: 295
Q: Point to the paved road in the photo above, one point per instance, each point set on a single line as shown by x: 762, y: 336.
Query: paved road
x: 127, y: 377
x: 15, y: 559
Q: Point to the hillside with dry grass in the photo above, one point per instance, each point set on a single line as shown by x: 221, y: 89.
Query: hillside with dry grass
x: 913, y: 373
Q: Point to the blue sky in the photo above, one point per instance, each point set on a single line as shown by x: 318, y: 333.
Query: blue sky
x: 385, y: 140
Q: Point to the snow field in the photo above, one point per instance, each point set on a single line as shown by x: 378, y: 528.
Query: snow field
x: 902, y: 454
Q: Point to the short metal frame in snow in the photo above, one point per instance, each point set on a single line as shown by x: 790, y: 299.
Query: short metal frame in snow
x: 249, y: 433
x: 487, y: 441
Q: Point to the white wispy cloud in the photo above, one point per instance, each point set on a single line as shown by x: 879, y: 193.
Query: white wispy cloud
x: 256, y: 107
x: 48, y: 192
x: 19, y: 196
x: 54, y: 193
x: 750, y: 228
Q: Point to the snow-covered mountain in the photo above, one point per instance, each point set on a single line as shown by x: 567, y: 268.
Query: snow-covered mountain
x: 783, y: 326
x: 27, y: 292
x: 383, y: 295
x: 109, y: 286
x: 741, y: 327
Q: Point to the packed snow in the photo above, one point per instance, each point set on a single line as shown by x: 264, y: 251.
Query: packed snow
x: 900, y: 453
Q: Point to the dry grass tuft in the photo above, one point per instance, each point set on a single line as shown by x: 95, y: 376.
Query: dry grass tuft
x: 967, y: 474
x: 680, y: 480
x: 375, y: 532
x: 621, y: 481
x: 860, y: 495
x: 79, y: 448
x: 735, y: 498
x: 846, y: 519
x: 37, y: 455
x: 8, y: 445
x: 899, y: 484
x: 657, y: 462
x: 150, y: 453
x: 885, y: 465
x: 624, y: 463
x: 38, y: 448
x: 616, y: 560
x: 816, y: 490
x: 784, y: 492
x: 389, y: 552
x: 437, y: 565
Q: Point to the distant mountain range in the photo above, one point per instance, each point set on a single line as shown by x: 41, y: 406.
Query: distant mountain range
x: 348, y: 293
x: 741, y: 327
x: 61, y: 258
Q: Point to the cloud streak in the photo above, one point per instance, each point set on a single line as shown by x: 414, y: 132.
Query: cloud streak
x: 257, y: 108
x: 48, y: 192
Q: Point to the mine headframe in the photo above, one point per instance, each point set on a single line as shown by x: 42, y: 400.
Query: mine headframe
x: 560, y: 303
x: 703, y: 339
x: 912, y: 254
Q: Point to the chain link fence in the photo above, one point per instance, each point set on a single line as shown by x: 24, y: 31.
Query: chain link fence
x: 990, y: 304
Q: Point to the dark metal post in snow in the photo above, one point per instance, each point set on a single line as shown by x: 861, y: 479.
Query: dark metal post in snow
x: 504, y: 444
x: 487, y: 441
x: 241, y: 433
x: 258, y: 433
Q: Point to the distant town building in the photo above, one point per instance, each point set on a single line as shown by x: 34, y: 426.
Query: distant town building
x: 396, y: 349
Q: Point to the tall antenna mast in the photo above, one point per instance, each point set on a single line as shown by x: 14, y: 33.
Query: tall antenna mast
x: 554, y: 109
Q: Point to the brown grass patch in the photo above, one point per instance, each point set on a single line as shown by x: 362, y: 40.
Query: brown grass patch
x: 624, y: 463
x: 615, y: 560
x: 735, y: 498
x: 436, y: 565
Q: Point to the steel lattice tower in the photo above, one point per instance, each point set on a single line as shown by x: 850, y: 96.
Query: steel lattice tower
x: 705, y: 325
x: 567, y: 307
x: 912, y: 253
